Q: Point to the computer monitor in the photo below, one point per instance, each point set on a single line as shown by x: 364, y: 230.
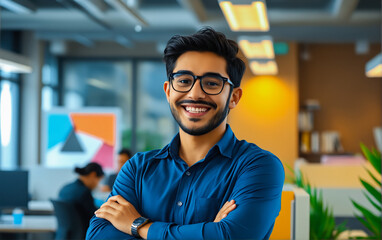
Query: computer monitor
x: 14, y: 189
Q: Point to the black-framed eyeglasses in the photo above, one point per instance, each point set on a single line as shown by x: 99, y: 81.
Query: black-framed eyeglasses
x: 211, y: 83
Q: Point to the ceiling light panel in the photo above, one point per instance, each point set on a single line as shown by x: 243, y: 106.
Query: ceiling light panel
x: 261, y: 67
x: 245, y: 15
x: 257, y: 47
x: 373, y: 68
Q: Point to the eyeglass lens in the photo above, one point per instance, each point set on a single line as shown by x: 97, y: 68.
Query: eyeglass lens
x: 210, y: 84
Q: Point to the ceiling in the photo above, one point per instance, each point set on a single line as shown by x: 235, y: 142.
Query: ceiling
x: 89, y: 21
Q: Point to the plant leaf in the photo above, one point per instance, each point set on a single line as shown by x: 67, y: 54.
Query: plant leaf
x: 373, y: 177
x: 376, y: 152
x: 291, y: 179
x: 375, y: 160
x: 374, y: 192
x: 289, y: 167
x: 372, y: 222
x: 377, y: 206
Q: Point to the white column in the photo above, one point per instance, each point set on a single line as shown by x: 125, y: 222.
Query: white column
x: 31, y: 102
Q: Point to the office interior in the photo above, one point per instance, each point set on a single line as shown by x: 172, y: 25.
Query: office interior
x: 312, y: 108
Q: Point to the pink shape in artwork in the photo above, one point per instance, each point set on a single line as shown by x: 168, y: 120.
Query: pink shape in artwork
x: 104, y: 156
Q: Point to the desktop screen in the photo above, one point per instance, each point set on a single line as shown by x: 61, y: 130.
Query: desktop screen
x: 13, y: 189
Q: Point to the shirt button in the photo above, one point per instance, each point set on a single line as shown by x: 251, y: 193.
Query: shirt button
x: 188, y: 173
x: 180, y: 203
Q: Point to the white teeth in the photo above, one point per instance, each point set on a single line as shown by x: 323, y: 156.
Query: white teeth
x: 195, y: 110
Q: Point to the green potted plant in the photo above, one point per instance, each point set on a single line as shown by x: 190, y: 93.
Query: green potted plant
x: 322, y: 224
x: 369, y: 219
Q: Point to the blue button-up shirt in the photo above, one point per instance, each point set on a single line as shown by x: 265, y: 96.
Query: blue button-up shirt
x: 183, y: 201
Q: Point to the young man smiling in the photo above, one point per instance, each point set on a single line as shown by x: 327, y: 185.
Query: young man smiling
x: 205, y: 184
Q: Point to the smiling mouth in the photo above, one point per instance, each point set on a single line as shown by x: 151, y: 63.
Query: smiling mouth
x: 195, y: 109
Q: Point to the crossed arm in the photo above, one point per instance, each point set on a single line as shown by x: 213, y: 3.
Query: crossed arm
x: 257, y: 195
x: 121, y: 214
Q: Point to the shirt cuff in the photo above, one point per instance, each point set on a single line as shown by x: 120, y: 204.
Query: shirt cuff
x: 156, y: 230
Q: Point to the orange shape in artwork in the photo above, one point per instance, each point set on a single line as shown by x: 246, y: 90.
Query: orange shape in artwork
x: 98, y: 125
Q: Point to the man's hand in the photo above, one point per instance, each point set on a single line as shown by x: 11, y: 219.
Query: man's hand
x: 118, y: 212
x: 225, y: 210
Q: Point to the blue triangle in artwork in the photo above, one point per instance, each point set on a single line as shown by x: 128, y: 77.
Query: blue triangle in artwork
x: 72, y: 144
x: 59, y: 127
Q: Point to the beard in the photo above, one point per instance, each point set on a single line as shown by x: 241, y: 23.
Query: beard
x: 216, y: 120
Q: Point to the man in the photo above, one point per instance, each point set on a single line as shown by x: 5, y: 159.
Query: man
x: 123, y: 156
x: 205, y: 184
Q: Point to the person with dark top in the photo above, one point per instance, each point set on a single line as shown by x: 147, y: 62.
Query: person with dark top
x: 79, y: 191
x: 123, y: 156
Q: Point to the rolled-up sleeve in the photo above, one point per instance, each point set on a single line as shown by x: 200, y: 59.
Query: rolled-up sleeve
x: 257, y: 193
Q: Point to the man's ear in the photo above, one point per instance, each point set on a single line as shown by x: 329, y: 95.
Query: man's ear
x: 235, y: 98
x: 166, y: 88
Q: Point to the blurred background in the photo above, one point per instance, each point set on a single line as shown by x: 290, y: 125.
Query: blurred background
x: 311, y: 93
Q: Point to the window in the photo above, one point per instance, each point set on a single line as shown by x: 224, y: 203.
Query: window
x: 155, y: 124
x: 9, y: 106
x: 50, y: 88
x: 9, y: 123
x: 135, y: 86
x: 100, y: 83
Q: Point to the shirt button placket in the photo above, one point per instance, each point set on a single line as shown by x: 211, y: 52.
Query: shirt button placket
x: 184, y: 187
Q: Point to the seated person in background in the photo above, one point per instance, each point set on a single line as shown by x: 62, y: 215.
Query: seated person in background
x: 123, y: 156
x: 79, y: 191
x: 205, y: 184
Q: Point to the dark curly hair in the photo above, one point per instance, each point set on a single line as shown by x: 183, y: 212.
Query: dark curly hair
x: 125, y: 151
x: 206, y: 40
x: 90, y: 167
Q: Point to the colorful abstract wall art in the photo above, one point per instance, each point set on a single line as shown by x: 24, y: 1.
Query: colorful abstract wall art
x: 77, y: 138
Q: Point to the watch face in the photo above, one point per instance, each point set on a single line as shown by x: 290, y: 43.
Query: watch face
x: 139, y: 221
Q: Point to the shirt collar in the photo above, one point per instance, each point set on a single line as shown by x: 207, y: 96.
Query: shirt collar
x: 172, y: 147
x: 225, y: 145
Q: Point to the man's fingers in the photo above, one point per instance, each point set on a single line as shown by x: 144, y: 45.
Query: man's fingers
x: 230, y: 208
x: 115, y: 205
x: 119, y: 199
x: 107, y: 209
x: 111, y: 204
x: 105, y: 215
x: 227, y: 205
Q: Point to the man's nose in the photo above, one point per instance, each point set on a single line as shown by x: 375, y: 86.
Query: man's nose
x: 197, y: 92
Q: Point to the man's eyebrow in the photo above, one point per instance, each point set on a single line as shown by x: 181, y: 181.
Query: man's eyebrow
x: 212, y: 73
x: 185, y: 71
x: 207, y: 73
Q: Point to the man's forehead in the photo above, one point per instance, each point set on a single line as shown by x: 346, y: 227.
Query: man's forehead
x: 201, y: 62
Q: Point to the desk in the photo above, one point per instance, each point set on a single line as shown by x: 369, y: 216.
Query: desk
x: 31, y: 224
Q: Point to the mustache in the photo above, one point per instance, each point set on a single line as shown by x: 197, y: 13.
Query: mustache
x: 213, y: 105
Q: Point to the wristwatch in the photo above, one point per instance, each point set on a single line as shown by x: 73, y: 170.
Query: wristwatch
x: 137, y: 224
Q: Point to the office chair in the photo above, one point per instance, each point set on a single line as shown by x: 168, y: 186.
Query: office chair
x: 70, y: 226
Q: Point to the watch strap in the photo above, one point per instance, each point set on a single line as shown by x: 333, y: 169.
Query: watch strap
x: 137, y: 224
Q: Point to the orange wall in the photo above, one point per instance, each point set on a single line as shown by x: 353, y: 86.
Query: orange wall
x: 267, y: 113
